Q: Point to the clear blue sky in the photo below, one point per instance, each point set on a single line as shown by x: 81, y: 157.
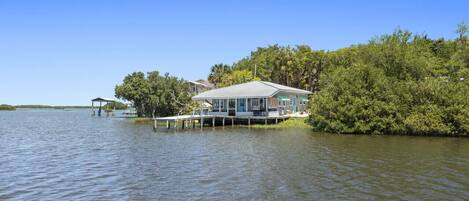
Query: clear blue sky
x: 66, y: 52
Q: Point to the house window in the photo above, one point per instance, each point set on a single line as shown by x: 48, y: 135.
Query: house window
x: 223, y: 105
x: 216, y: 105
x: 255, y: 102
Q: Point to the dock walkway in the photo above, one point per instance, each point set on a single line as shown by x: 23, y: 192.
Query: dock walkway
x: 195, y: 121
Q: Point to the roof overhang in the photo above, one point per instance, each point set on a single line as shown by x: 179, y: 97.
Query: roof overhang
x: 100, y: 99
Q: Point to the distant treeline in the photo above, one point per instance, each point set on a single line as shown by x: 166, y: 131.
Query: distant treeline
x: 7, y: 107
x: 50, y: 107
x: 116, y: 105
x: 400, y: 83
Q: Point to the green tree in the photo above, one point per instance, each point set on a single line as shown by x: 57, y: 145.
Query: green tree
x: 135, y: 88
x: 217, y: 72
x: 155, y: 95
x: 238, y: 77
x: 461, y: 31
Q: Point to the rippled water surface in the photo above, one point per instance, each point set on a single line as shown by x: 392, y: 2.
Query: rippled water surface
x: 69, y: 155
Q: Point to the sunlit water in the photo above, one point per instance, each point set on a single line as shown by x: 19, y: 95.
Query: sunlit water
x: 70, y: 155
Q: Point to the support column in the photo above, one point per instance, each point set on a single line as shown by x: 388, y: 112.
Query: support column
x: 99, y: 110
x: 167, y: 124
x: 232, y: 121
x: 202, y: 122
x: 213, y: 121
x: 223, y: 122
x: 249, y: 121
x: 92, y: 108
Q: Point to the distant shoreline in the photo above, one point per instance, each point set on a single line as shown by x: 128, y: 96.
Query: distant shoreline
x: 51, y: 107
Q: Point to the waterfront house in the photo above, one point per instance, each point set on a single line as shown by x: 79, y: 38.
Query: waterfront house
x: 256, y: 98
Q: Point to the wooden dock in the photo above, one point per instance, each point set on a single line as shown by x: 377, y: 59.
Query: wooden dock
x: 199, y: 121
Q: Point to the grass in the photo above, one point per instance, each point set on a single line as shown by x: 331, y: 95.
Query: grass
x: 297, y: 122
x: 7, y: 107
x: 141, y: 120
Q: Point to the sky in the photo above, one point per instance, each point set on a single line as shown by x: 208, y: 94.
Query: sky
x: 68, y: 52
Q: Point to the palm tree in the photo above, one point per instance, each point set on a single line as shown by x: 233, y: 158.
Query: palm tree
x: 218, y: 72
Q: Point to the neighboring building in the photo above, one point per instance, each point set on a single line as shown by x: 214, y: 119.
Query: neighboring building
x: 256, y: 98
x: 199, y: 86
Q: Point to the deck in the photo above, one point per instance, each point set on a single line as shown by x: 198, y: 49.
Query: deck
x: 196, y: 121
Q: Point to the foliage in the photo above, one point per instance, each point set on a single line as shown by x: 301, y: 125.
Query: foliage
x: 135, y: 88
x: 116, y: 106
x: 155, y: 95
x: 462, y: 30
x: 49, y: 107
x: 217, y: 72
x: 398, y: 83
x: 289, y: 123
x: 7, y: 107
x: 237, y: 77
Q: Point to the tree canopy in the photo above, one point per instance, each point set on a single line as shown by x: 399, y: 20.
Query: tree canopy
x: 399, y: 83
x: 155, y: 95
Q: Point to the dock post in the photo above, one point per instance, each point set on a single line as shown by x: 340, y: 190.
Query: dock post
x: 168, y: 124
x: 213, y: 121
x: 202, y: 122
x: 265, y: 121
x: 223, y: 122
x: 176, y: 124
x: 249, y: 121
x: 232, y: 121
x: 193, y: 123
x: 155, y: 124
x: 276, y: 120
